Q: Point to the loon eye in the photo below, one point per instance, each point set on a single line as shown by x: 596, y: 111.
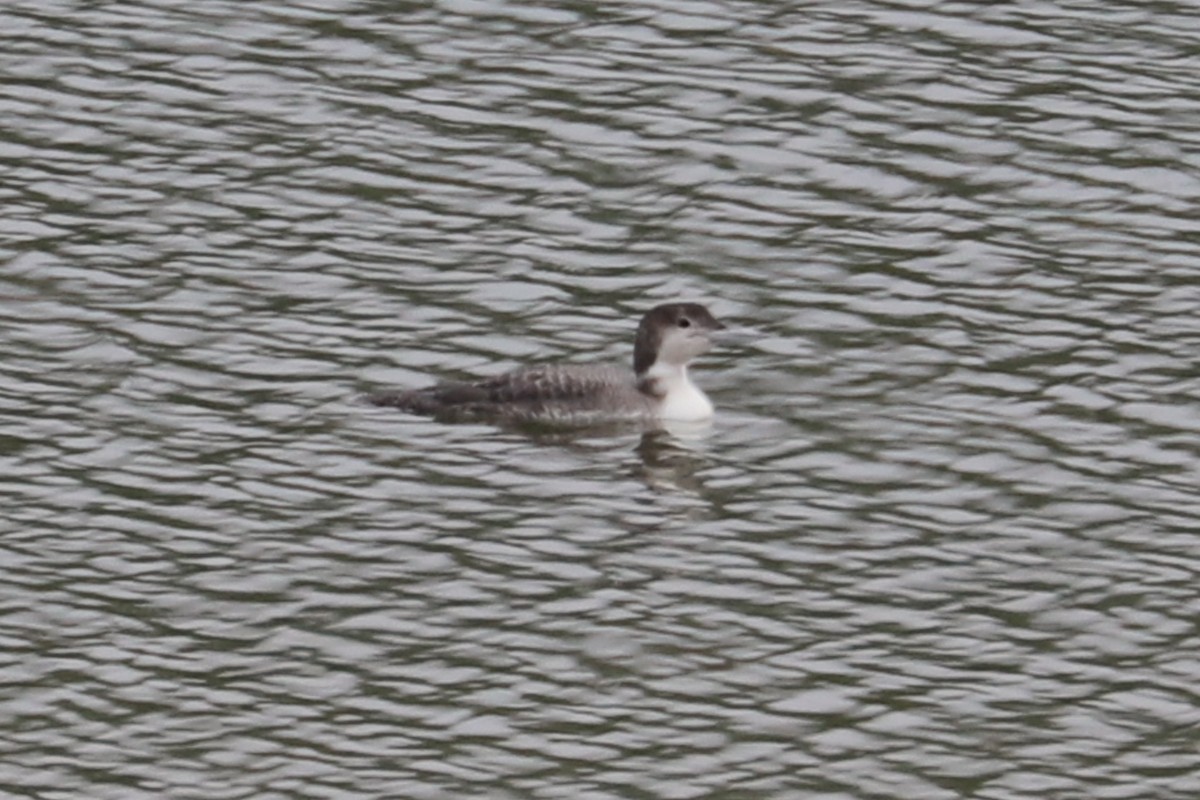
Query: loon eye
x: 684, y: 322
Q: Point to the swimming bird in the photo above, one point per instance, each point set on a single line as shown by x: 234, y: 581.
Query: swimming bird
x: 659, y: 388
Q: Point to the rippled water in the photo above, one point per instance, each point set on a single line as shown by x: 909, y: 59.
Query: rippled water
x: 940, y: 542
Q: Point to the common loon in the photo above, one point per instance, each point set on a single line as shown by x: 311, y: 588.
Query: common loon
x: 668, y: 337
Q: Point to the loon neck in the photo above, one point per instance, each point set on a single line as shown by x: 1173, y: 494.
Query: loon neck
x: 675, y: 394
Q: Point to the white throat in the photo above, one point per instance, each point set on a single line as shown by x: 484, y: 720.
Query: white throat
x: 680, y: 399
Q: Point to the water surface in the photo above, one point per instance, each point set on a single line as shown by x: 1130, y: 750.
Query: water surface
x: 939, y: 543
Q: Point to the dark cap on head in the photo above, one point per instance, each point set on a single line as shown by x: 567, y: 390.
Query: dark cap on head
x: 662, y: 318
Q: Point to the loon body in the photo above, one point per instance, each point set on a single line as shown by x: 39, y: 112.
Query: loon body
x: 658, y: 389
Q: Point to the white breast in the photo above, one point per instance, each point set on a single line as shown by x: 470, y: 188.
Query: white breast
x: 682, y: 400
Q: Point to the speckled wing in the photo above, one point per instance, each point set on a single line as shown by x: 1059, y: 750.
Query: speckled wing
x: 549, y: 392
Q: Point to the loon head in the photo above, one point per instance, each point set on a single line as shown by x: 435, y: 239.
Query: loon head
x: 671, y: 335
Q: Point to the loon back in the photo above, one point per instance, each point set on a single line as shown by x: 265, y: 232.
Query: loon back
x: 549, y: 392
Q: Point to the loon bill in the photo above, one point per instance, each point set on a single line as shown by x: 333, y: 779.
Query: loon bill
x: 668, y: 338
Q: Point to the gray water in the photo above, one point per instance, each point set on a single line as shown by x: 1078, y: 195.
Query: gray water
x: 940, y: 541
